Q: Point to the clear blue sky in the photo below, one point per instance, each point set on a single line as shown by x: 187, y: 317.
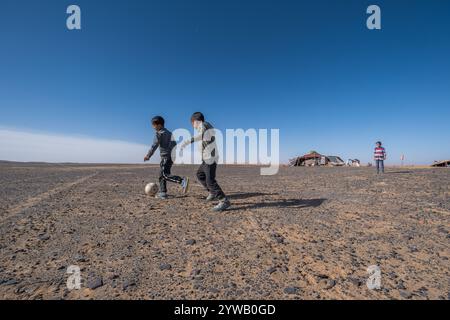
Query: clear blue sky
x: 310, y: 68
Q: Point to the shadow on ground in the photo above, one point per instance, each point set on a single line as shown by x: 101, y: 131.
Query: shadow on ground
x: 397, y: 172
x: 243, y: 195
x: 288, y: 203
x: 246, y: 195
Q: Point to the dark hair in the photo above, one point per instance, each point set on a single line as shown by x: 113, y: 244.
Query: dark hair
x: 378, y: 142
x: 197, y: 116
x: 158, y: 120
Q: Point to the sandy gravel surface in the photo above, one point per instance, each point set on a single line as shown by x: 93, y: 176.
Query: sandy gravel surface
x: 306, y: 233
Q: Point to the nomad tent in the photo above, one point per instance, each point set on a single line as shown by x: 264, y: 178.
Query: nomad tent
x: 316, y: 159
x: 353, y: 163
x: 445, y: 163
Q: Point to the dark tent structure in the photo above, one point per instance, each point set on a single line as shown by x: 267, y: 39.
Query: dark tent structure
x: 445, y: 163
x: 316, y: 159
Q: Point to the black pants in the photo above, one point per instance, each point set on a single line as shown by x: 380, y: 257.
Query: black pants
x: 164, y: 174
x: 206, y: 175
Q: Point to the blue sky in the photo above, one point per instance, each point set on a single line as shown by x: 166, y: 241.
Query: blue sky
x: 310, y: 68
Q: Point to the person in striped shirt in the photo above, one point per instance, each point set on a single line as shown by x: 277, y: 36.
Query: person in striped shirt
x: 379, y: 156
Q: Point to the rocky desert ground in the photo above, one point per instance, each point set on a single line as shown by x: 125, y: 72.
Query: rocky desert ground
x: 305, y: 233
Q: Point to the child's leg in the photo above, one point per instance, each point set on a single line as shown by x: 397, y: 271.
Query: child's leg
x: 213, y: 186
x: 377, y: 162
x: 162, y: 181
x: 382, y: 166
x: 166, y: 172
x: 201, y: 176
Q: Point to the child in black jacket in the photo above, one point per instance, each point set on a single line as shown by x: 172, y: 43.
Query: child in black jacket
x: 163, y: 139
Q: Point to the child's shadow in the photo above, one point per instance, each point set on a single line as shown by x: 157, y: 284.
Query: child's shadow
x: 398, y: 172
x: 246, y: 195
x: 287, y: 203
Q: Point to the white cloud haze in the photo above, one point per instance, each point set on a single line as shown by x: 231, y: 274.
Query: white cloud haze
x: 16, y: 145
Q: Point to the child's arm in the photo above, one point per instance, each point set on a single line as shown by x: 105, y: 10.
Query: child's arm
x: 198, y: 137
x: 152, y: 150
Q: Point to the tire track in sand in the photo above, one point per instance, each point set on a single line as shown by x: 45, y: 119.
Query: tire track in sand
x: 33, y: 201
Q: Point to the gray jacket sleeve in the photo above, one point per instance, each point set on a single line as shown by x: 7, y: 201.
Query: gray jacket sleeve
x: 155, y: 146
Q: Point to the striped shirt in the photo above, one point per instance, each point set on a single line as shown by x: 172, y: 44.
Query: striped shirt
x: 379, y: 153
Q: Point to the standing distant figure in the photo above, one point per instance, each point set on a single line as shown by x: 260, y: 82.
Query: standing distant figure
x: 379, y: 156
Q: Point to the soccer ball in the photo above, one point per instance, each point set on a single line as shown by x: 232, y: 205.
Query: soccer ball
x: 151, y: 189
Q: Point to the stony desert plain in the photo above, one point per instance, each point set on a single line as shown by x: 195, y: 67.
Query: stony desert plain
x: 305, y: 233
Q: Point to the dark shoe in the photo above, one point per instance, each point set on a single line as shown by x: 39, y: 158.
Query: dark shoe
x: 161, y: 195
x: 224, y: 204
x: 185, y: 185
